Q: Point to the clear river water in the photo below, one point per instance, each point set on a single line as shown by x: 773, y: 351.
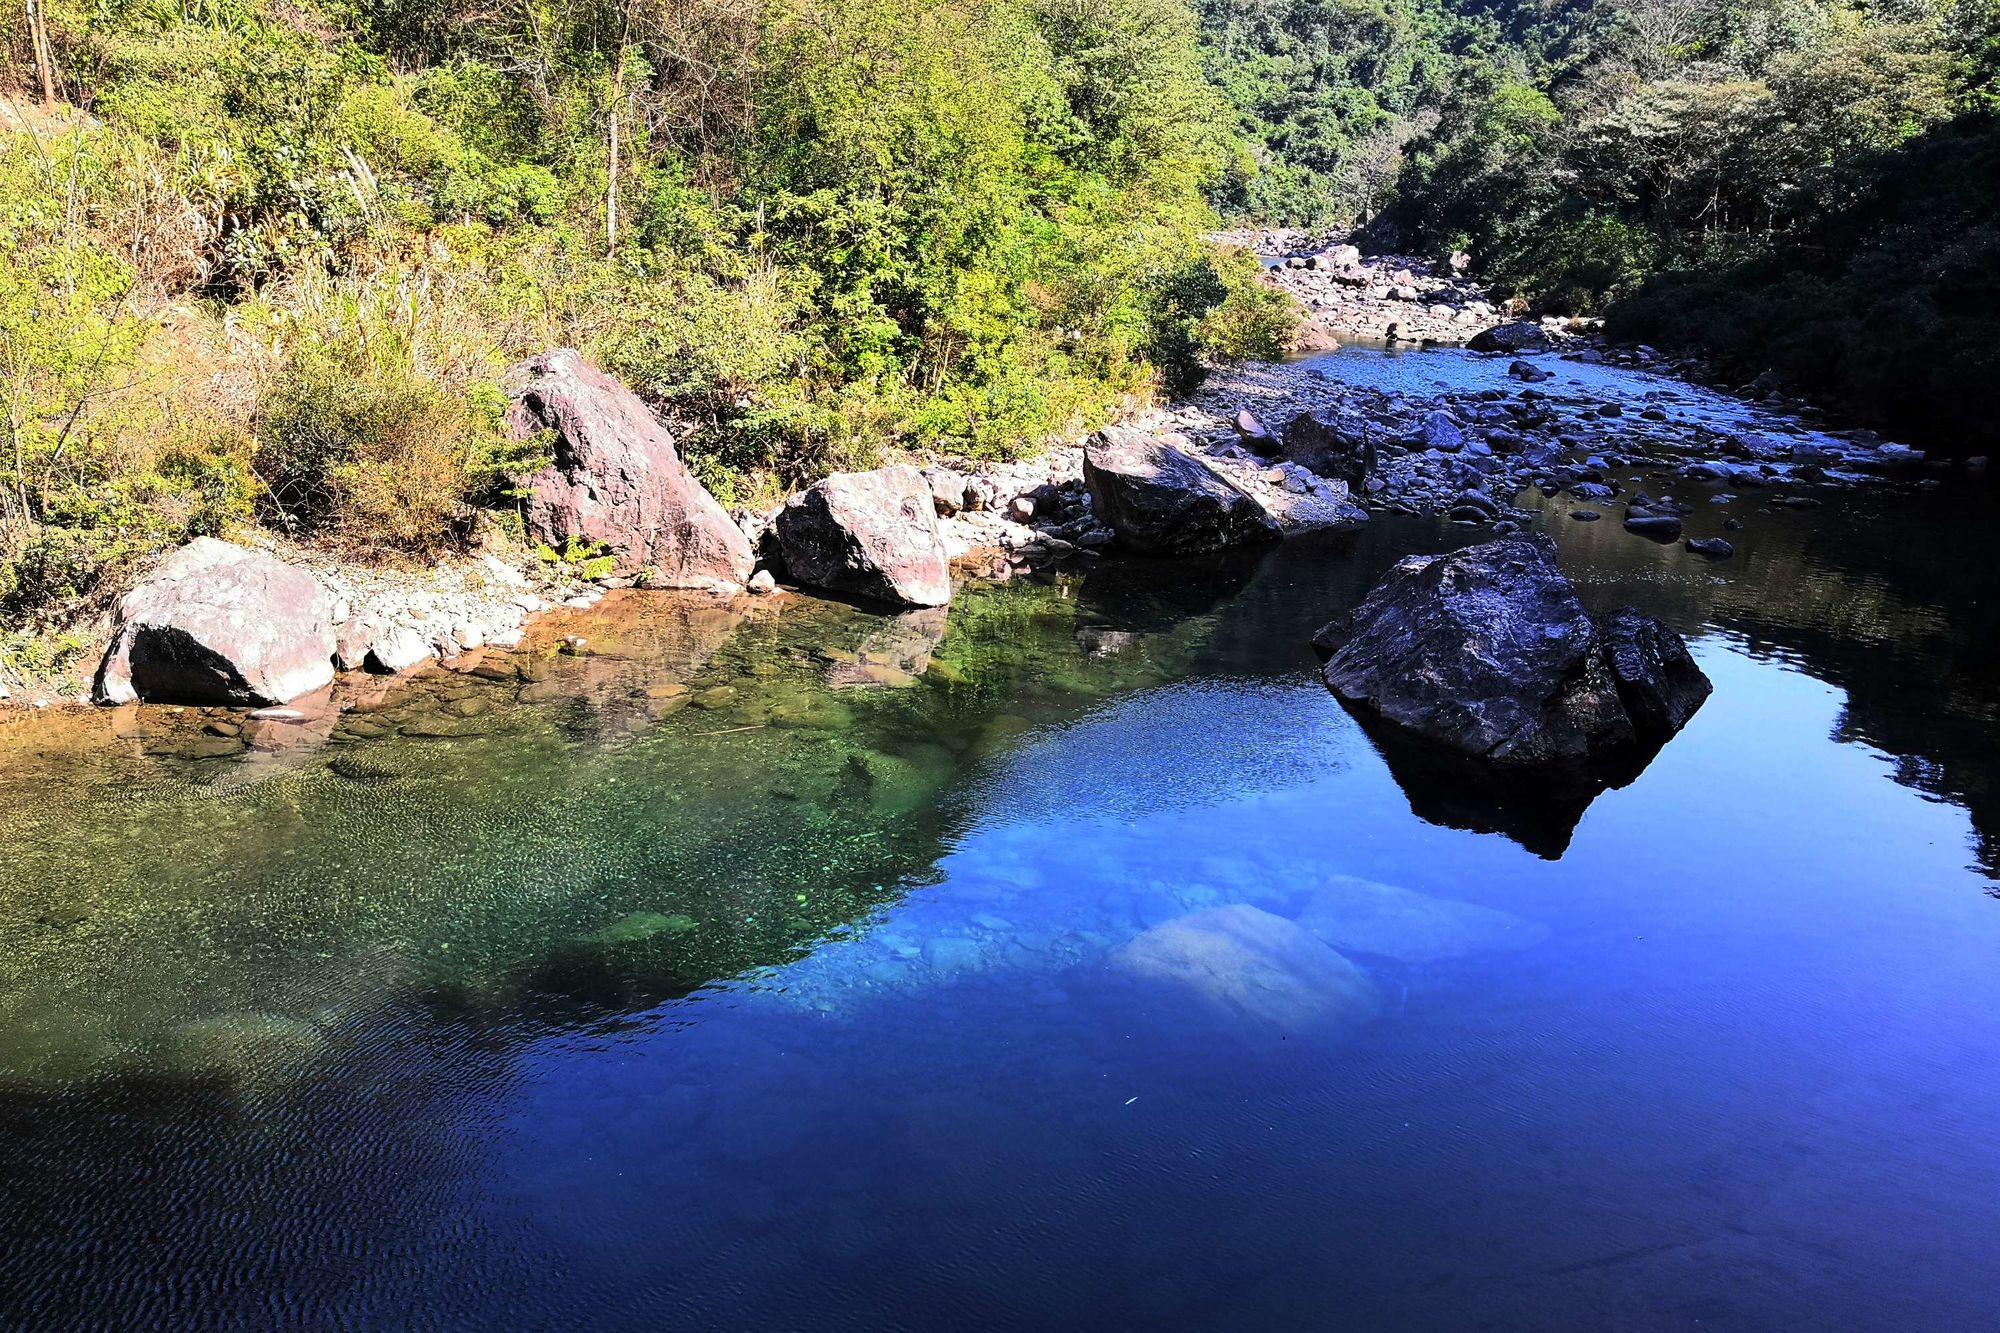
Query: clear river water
x: 754, y: 970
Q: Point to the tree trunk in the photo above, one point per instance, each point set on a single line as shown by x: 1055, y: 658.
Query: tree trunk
x: 38, y: 41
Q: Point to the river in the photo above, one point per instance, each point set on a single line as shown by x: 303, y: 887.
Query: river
x: 749, y: 970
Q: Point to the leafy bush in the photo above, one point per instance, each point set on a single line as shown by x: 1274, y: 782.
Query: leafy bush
x: 387, y: 459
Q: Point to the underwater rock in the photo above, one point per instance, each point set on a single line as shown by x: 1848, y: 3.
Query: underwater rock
x: 219, y: 624
x: 617, y: 482
x: 249, y: 1053
x: 868, y: 534
x: 893, y: 653
x: 1241, y: 960
x: 638, y: 927
x: 889, y: 784
x: 1362, y: 916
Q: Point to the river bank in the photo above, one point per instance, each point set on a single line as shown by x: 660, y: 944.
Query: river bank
x: 1308, y: 443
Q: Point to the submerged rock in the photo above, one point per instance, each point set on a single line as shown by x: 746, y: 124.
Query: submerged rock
x: 219, y: 624
x: 1243, y: 961
x: 1162, y: 500
x: 868, y: 534
x: 250, y: 1054
x: 1488, y: 653
x: 1659, y: 527
x: 1362, y: 916
x: 616, y: 481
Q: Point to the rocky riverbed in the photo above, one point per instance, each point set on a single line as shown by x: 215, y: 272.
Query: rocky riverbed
x: 1309, y: 443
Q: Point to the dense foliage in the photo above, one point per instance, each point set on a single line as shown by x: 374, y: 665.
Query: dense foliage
x: 1685, y: 132
x: 1802, y: 186
x: 270, y: 259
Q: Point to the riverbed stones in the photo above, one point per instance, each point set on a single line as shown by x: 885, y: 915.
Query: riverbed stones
x: 220, y: 624
x: 1362, y: 916
x: 872, y: 535
x: 1659, y: 527
x: 616, y: 482
x: 1488, y: 652
x: 1161, y: 499
x: 1243, y: 962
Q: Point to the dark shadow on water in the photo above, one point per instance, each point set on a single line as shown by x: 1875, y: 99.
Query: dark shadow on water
x: 1540, y: 811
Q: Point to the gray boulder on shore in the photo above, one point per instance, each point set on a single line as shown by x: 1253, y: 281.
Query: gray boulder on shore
x: 1162, y: 500
x: 872, y: 535
x: 217, y: 624
x: 1487, y: 652
x: 1332, y: 446
x: 1513, y: 339
x: 616, y: 481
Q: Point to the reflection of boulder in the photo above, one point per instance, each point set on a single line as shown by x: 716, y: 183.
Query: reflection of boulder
x: 1362, y: 916
x: 639, y: 650
x: 1246, y: 962
x: 1538, y: 809
x: 1487, y: 652
x: 1150, y: 598
x: 895, y: 651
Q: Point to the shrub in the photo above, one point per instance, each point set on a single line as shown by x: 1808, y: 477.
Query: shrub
x: 382, y: 458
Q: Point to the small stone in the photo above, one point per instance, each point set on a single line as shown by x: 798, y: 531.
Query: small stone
x: 763, y: 583
x: 1021, y: 508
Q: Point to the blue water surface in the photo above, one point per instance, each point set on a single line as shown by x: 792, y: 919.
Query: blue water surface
x: 1740, y: 1069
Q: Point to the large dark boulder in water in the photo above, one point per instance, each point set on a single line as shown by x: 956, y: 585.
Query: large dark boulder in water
x: 616, y: 481
x: 1512, y: 339
x: 1162, y: 500
x: 1341, y: 448
x: 219, y: 624
x: 868, y: 534
x: 1488, y: 653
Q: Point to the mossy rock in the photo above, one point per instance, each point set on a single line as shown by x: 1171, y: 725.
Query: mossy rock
x: 247, y: 1052
x: 941, y: 672
x: 811, y: 712
x: 638, y: 927
x: 889, y: 785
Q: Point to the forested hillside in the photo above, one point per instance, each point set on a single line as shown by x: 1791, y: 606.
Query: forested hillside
x: 268, y: 258
x: 1806, y: 186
